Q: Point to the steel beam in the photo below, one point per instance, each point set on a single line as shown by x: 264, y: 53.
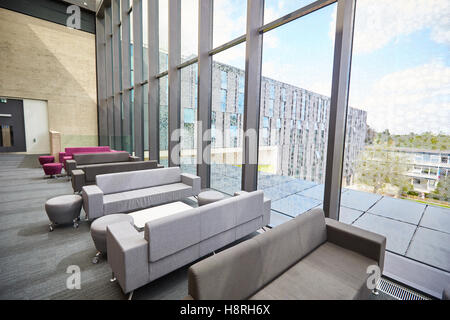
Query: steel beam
x: 338, y: 106
x: 205, y: 36
x: 253, y: 60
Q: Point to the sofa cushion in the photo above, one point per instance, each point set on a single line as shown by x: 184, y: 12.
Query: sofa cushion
x: 204, y: 222
x: 286, y: 244
x: 329, y: 272
x: 92, y: 170
x: 102, y: 157
x: 144, y: 198
x: 133, y: 180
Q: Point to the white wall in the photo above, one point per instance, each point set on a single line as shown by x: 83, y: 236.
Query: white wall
x: 36, y: 126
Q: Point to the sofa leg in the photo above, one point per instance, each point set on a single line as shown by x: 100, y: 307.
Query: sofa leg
x: 75, y: 223
x: 113, y: 278
x: 130, y: 296
x: 51, y: 227
x: 375, y: 292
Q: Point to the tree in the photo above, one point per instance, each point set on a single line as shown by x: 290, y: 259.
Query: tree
x: 378, y: 166
x: 443, y: 189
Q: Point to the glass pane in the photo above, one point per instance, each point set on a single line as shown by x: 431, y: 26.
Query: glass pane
x: 230, y: 18
x: 163, y: 120
x: 189, y: 118
x: 274, y: 9
x: 295, y: 98
x: 396, y: 171
x: 227, y: 119
x: 163, y: 35
x: 189, y: 29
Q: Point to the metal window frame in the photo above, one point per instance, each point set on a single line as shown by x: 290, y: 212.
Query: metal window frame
x: 153, y: 81
x: 174, y: 76
x: 252, y: 95
x: 138, y: 77
x: 254, y: 46
x: 101, y: 81
x: 204, y: 93
x: 345, y: 21
x: 109, y: 76
x: 126, y: 77
x: 117, y: 83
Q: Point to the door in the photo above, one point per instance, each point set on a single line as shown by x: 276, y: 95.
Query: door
x: 12, y: 128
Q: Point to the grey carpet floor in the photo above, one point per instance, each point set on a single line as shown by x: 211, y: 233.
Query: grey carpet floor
x: 34, y: 262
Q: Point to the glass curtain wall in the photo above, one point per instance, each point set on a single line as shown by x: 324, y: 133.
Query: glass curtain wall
x: 294, y: 113
x: 189, y: 109
x: 163, y: 121
x: 189, y: 29
x: 163, y: 38
x: 396, y: 169
x: 275, y: 9
x: 227, y: 119
x: 228, y: 89
x: 145, y: 75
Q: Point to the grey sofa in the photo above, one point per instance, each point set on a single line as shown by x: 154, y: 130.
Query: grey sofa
x: 86, y: 174
x: 309, y: 257
x: 129, y: 191
x: 81, y: 160
x: 166, y: 244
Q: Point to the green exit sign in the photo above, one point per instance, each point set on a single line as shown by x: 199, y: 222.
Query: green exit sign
x: 3, y: 100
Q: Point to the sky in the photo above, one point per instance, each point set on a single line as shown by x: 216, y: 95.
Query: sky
x: 401, y: 55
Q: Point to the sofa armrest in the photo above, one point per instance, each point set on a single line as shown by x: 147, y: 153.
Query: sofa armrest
x: 134, y: 158
x: 92, y: 201
x: 267, y: 207
x: 232, y: 274
x: 70, y: 166
x: 366, y: 243
x: 127, y: 255
x: 193, y: 181
x: 78, y: 180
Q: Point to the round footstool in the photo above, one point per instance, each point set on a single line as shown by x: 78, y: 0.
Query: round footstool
x: 209, y: 196
x: 64, y: 209
x: 98, y: 231
x: 46, y: 159
x: 51, y: 169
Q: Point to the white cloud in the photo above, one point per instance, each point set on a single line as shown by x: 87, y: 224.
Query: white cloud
x: 411, y: 100
x: 379, y: 22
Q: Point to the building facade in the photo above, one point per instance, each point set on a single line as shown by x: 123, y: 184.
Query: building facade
x: 293, y: 125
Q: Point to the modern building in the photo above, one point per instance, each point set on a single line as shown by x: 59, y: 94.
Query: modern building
x: 293, y: 124
x: 183, y: 158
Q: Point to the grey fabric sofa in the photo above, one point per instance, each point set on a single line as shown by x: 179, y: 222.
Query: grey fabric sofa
x: 309, y: 257
x: 80, y: 160
x: 166, y: 244
x: 86, y: 174
x: 129, y: 191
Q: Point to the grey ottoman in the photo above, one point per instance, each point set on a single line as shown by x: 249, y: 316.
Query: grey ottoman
x: 98, y: 231
x: 209, y: 196
x: 64, y: 209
